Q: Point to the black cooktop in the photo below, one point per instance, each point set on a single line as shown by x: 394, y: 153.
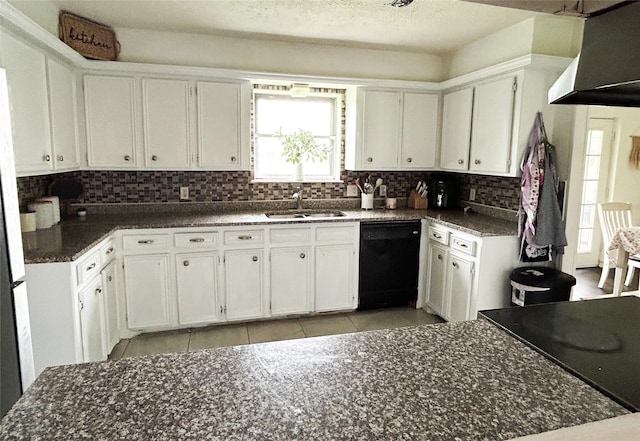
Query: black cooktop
x: 596, y: 340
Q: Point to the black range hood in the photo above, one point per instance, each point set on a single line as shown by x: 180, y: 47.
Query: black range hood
x: 607, y: 70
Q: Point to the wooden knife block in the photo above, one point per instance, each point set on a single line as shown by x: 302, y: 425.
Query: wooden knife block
x: 416, y: 201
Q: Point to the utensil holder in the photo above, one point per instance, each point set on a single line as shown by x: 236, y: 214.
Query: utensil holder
x: 366, y: 202
x: 416, y: 201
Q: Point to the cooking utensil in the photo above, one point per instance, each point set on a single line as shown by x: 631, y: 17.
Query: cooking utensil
x: 378, y: 184
x: 358, y: 185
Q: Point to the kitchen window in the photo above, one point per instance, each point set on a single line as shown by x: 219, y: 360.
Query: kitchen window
x: 277, y: 112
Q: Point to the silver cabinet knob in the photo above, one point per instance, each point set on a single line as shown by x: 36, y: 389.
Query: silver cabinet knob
x: 409, y: 159
x: 477, y: 161
x: 98, y: 291
x: 60, y: 158
x: 109, y: 251
x: 439, y: 256
x: 455, y: 264
x: 369, y: 159
x: 234, y: 159
x: 154, y: 158
x: 127, y: 158
x: 460, y: 161
x: 255, y: 258
x: 185, y: 263
x: 302, y: 255
x: 47, y: 158
x: 109, y: 279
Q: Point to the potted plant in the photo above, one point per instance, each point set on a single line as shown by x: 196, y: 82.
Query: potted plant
x: 300, y: 147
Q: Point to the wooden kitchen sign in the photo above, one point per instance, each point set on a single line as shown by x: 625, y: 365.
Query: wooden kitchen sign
x: 89, y: 38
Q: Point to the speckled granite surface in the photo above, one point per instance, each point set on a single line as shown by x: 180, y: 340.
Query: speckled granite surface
x: 453, y: 381
x: 73, y: 237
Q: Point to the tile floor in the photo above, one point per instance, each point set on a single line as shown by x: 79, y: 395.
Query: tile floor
x: 257, y: 332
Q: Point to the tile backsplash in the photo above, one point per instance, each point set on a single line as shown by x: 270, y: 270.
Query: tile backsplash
x: 206, y: 186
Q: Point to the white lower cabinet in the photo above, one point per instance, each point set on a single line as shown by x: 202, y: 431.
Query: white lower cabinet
x: 244, y: 280
x: 198, y: 292
x: 290, y: 280
x: 148, y: 291
x: 336, y: 277
x: 92, y: 324
x: 467, y: 273
x: 111, y: 308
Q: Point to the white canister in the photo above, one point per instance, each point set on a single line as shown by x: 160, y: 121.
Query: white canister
x: 55, y: 200
x: 44, y: 213
x: 28, y: 221
x: 391, y: 203
x: 367, y: 201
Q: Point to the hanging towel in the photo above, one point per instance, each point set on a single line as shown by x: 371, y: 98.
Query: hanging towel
x: 539, y: 218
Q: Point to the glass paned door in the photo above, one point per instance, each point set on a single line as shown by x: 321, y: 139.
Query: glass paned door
x: 594, y: 187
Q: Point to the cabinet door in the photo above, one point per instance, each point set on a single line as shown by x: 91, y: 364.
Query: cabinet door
x: 92, y: 322
x: 111, y: 316
x: 27, y: 84
x: 220, y: 135
x: 197, y: 276
x: 436, y: 285
x: 290, y: 280
x: 460, y: 278
x: 380, y: 130
x: 456, y: 129
x: 110, y: 113
x: 146, y: 281
x: 165, y: 109
x: 419, y: 130
x: 492, y: 126
x: 244, y: 271
x: 334, y: 277
x: 62, y: 101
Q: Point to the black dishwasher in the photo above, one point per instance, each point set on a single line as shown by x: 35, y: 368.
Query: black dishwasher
x: 389, y: 254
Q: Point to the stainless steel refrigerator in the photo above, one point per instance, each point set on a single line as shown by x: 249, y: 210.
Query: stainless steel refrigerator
x: 16, y: 355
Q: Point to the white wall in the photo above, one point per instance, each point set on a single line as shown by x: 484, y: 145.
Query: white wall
x: 624, y: 180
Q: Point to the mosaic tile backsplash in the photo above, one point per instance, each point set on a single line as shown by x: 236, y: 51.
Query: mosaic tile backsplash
x: 207, y: 186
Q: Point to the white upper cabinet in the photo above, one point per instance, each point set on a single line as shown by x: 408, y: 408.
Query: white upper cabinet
x: 27, y: 83
x: 223, y: 120
x: 165, y: 110
x: 456, y: 129
x: 380, y: 129
x: 419, y: 130
x: 492, y: 126
x: 395, y: 130
x: 111, y: 130
x: 62, y: 101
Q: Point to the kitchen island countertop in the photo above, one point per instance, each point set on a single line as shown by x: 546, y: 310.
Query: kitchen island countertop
x: 74, y: 236
x: 464, y: 381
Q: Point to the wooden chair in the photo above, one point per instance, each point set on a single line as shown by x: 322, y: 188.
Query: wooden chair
x: 614, y: 215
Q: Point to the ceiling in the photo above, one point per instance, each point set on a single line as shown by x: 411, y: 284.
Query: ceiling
x: 430, y: 26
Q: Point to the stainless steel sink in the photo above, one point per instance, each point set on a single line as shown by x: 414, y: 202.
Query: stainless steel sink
x: 304, y: 214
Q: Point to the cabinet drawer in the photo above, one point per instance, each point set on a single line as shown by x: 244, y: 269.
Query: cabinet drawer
x: 439, y: 235
x: 141, y: 242
x: 335, y: 234
x: 107, y: 251
x: 467, y: 246
x: 207, y: 239
x: 87, y: 267
x: 290, y: 235
x: 243, y: 237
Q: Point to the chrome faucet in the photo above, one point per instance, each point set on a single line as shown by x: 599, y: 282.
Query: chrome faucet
x: 298, y: 197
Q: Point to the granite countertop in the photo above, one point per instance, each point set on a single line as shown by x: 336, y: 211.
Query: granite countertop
x: 74, y: 236
x: 463, y: 381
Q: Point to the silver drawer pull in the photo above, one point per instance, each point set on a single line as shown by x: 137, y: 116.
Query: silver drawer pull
x: 92, y: 266
x: 455, y: 265
x: 437, y: 236
x: 244, y: 237
x: 98, y: 291
x: 197, y: 240
x: 109, y: 251
x: 463, y: 245
x: 145, y: 241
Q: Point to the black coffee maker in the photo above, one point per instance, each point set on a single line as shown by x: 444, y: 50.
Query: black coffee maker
x: 442, y: 191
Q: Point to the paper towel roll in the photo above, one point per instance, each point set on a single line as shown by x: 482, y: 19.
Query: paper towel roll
x: 56, y: 206
x: 44, y: 213
x: 28, y: 221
